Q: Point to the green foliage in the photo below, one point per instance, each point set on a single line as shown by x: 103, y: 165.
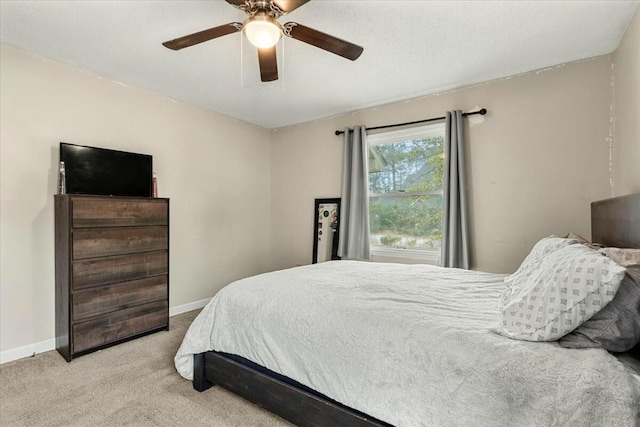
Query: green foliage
x: 410, y: 216
x: 416, y: 165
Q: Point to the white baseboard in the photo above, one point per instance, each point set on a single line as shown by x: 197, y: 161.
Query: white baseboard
x: 174, y: 311
x: 50, y: 344
x: 27, y: 350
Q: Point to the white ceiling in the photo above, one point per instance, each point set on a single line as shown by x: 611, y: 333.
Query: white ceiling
x: 411, y: 48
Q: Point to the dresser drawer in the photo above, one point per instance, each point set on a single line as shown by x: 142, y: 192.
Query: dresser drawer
x: 104, y: 299
x: 119, y: 325
x: 114, y: 269
x: 109, y: 212
x: 97, y: 242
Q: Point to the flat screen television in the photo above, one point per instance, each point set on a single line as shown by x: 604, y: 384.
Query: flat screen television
x: 93, y: 170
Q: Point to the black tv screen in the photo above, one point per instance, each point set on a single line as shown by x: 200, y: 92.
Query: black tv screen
x: 92, y: 170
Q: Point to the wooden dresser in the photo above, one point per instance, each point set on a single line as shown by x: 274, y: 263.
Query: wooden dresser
x: 112, y: 270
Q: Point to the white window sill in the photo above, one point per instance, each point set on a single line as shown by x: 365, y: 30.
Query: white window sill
x: 426, y: 256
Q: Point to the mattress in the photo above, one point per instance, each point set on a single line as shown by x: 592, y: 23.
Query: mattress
x: 410, y: 345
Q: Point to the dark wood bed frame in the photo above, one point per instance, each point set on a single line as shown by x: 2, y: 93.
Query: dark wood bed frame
x: 614, y: 222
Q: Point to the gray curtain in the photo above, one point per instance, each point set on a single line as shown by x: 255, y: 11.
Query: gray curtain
x: 455, y: 234
x: 354, y: 209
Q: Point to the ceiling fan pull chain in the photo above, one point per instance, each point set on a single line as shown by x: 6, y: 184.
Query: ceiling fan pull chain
x: 282, y: 81
x: 241, y: 61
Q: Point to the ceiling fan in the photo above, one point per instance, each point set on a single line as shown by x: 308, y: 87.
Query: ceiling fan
x: 264, y: 31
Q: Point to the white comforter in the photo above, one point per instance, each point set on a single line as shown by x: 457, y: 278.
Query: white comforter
x: 409, y: 345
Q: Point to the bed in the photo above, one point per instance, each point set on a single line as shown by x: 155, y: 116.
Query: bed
x: 369, y: 344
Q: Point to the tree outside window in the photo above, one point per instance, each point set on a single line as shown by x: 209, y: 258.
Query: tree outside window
x: 406, y: 171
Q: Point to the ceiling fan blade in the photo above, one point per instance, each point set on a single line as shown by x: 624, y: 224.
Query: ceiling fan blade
x: 288, y: 6
x: 322, y: 40
x: 236, y: 3
x: 203, y: 36
x: 268, y: 64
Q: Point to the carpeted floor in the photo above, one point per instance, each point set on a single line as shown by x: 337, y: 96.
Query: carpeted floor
x: 134, y: 384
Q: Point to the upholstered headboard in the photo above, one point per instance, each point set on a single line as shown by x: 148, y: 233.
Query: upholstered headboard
x: 616, y: 222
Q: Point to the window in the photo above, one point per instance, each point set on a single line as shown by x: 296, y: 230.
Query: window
x: 406, y: 170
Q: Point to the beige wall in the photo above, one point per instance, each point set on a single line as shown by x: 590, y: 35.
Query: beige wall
x: 535, y: 164
x: 217, y: 172
x: 242, y: 197
x: 627, y: 111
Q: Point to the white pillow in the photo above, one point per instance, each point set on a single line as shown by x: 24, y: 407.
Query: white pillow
x: 544, y: 246
x: 569, y: 286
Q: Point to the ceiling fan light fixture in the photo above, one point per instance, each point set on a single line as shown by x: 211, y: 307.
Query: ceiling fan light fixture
x: 262, y: 30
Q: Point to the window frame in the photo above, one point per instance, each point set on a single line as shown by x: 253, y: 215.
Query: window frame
x: 430, y: 256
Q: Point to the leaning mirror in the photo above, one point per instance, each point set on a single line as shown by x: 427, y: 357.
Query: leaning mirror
x: 326, y: 230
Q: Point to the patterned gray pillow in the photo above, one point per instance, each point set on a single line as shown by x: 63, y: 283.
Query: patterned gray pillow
x: 569, y: 286
x: 616, y: 327
x: 542, y: 248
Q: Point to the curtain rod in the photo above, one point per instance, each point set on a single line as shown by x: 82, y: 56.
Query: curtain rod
x: 482, y: 112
